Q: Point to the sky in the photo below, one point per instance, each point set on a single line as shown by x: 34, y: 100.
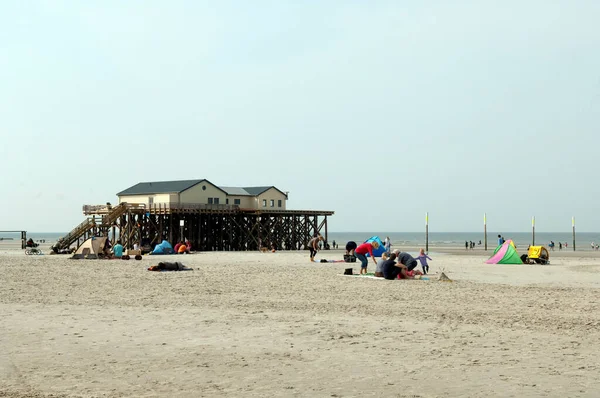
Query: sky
x: 378, y: 110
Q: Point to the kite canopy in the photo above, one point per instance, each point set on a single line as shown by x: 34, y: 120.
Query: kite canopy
x: 506, y: 253
x: 376, y: 252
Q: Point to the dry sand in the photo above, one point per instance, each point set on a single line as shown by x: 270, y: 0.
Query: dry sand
x: 273, y: 324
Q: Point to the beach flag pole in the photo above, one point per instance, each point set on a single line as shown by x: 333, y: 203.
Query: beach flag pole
x: 533, y: 231
x: 427, y: 232
x: 573, y: 224
x: 485, y: 230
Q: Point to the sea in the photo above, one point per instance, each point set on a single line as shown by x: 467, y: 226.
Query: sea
x: 583, y: 240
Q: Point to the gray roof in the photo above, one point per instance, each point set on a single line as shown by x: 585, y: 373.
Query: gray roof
x: 255, y: 191
x: 247, y: 191
x: 235, y: 191
x: 144, y: 188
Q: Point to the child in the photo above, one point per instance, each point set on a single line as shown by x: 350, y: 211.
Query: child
x: 422, y: 257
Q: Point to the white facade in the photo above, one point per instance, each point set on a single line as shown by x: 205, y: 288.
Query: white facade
x: 205, y: 193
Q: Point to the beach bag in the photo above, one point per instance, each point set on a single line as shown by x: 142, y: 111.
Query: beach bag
x: 348, y: 271
x: 349, y: 258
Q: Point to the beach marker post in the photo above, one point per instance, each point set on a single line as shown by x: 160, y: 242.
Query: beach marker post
x: 533, y: 231
x: 181, y: 224
x: 573, y: 224
x: 485, y: 230
x: 427, y: 232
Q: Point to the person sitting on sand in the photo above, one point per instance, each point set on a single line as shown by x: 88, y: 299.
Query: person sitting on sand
x: 361, y: 253
x: 182, y: 249
x: 350, y: 247
x: 379, y: 268
x: 177, y: 246
x: 390, y: 268
x: 422, y: 257
x: 118, y: 250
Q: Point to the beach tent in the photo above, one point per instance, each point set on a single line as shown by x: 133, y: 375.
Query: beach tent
x: 163, y: 247
x: 379, y: 252
x: 91, y: 248
x: 506, y: 253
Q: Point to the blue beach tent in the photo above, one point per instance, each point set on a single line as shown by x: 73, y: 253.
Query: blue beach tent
x: 379, y: 252
x: 163, y: 247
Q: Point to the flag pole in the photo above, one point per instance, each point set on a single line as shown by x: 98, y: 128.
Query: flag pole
x: 573, y: 224
x: 427, y: 232
x: 533, y: 231
x: 485, y: 230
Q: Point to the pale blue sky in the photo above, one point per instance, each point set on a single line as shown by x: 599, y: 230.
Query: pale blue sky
x: 378, y: 110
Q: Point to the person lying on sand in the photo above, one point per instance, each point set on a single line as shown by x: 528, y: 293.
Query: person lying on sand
x: 169, y: 267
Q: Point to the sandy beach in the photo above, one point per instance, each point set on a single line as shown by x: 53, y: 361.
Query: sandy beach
x: 250, y: 324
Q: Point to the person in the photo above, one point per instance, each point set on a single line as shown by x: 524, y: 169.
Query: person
x: 333, y: 244
x: 118, y: 249
x: 390, y: 268
x: 350, y: 247
x: 379, y: 268
x: 559, y: 246
x: 361, y: 253
x: 422, y: 257
x: 188, y: 245
x: 107, y: 247
x: 30, y: 243
x: 551, y: 245
x: 313, y: 246
x: 177, y: 246
x: 169, y: 267
x: 182, y: 249
x: 387, y: 244
x: 500, y: 240
x: 406, y: 259
x: 466, y: 245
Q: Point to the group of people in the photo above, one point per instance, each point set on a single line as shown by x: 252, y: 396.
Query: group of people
x: 183, y: 247
x: 552, y: 245
x: 394, y: 265
x: 470, y: 245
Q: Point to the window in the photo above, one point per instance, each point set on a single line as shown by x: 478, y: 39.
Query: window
x: 210, y: 201
x: 204, y: 187
x: 216, y: 200
x: 279, y: 203
x: 272, y: 203
x: 227, y: 201
x: 264, y: 203
x: 236, y: 202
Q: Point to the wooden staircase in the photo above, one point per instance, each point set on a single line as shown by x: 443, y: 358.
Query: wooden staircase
x: 114, y: 214
x: 88, y: 224
x: 75, y: 234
